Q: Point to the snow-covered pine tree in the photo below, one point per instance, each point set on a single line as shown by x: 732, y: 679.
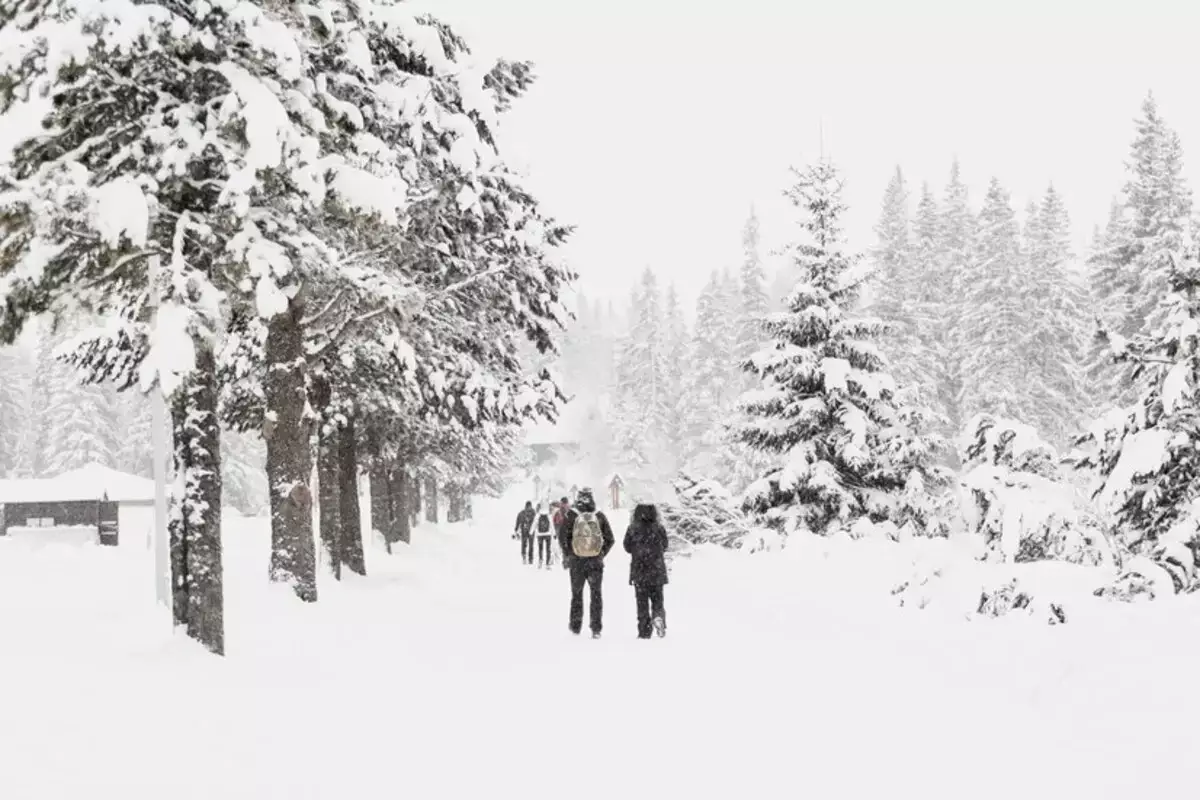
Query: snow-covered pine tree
x: 824, y: 389
x: 46, y: 376
x: 1129, y: 274
x: 730, y: 319
x: 895, y: 285
x: 1159, y: 205
x: 956, y: 253
x: 674, y: 366
x: 1056, y: 306
x: 15, y: 416
x: 1145, y: 454
x: 753, y: 302
x: 1112, y: 306
x: 932, y: 301
x: 646, y: 406
x: 244, y: 473
x: 707, y: 400
x: 994, y: 320
x: 81, y: 419
x: 892, y: 254
x: 135, y: 450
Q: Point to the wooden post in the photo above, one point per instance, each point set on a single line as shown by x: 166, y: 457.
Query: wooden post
x: 614, y: 489
x: 108, y: 522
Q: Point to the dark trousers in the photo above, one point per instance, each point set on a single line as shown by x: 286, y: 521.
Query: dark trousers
x: 591, y: 572
x: 649, y: 605
x: 543, y: 550
x: 527, y: 548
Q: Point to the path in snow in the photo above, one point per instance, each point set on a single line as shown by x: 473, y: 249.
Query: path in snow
x: 450, y: 673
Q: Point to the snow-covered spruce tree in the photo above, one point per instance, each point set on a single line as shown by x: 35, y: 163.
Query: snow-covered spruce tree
x: 754, y: 305
x: 994, y: 320
x: 908, y: 298
x: 1159, y: 207
x: 80, y: 418
x: 892, y: 256
x: 674, y: 364
x: 15, y: 418
x: 931, y: 302
x: 1111, y: 305
x: 1058, y: 324
x: 244, y: 472
x: 46, y: 376
x: 1145, y: 455
x: 825, y: 393
x: 956, y: 253
x: 706, y: 390
x: 1129, y: 267
x: 645, y: 403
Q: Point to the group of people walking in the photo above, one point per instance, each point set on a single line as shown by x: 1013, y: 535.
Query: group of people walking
x: 584, y: 538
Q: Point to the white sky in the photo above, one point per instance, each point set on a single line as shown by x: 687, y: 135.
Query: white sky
x: 656, y: 123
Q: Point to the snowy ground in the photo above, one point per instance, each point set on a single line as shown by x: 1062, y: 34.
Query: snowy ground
x: 450, y: 673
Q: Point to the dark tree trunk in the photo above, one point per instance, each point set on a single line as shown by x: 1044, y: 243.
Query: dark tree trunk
x: 431, y: 500
x: 195, y: 518
x: 328, y: 477
x: 381, y: 494
x: 351, y: 542
x: 401, y: 530
x: 454, y: 509
x: 289, y: 456
x: 414, y: 496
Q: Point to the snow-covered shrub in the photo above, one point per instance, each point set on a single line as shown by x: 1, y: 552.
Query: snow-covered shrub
x: 1143, y: 579
x: 1009, y: 597
x: 926, y: 504
x: 1015, y: 498
x: 961, y: 587
x: 704, y: 512
x: 1157, y: 528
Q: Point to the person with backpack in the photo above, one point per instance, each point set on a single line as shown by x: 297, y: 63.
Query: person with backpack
x: 524, y: 523
x: 646, y: 542
x: 544, y: 533
x: 560, y: 521
x: 526, y: 532
x: 585, y: 538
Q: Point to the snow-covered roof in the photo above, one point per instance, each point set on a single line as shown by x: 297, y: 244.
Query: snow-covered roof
x: 91, y: 482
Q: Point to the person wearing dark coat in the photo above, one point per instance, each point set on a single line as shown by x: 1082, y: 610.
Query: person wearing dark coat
x: 523, y: 530
x: 560, y: 522
x: 646, y: 543
x: 589, y: 569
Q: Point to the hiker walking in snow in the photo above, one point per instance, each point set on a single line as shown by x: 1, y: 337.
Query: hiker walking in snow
x: 585, y: 538
x: 646, y: 543
x: 524, y: 532
x: 524, y: 520
x: 544, y: 534
x: 560, y: 522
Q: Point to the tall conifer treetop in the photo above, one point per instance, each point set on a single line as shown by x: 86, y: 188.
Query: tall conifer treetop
x: 825, y: 394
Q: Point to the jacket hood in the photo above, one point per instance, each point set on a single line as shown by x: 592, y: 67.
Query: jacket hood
x: 584, y: 501
x: 645, y: 512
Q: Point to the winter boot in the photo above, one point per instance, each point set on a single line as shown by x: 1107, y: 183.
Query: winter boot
x: 660, y: 627
x: 595, y: 634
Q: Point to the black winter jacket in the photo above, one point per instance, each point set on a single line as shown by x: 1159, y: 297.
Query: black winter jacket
x: 524, y: 521
x: 646, y: 542
x: 568, y: 527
